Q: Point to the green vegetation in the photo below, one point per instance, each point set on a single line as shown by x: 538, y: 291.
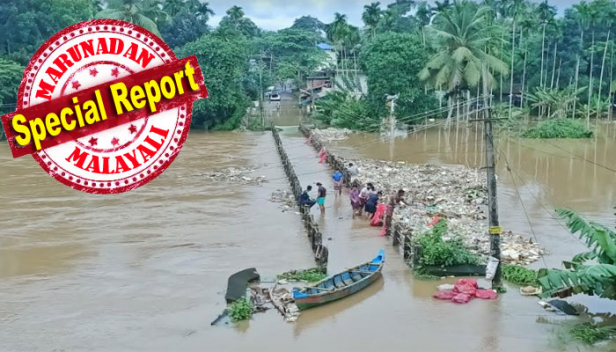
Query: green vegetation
x: 591, y: 333
x: 437, y: 57
x: 10, y: 78
x: 224, y: 63
x: 581, y: 276
x: 436, y: 251
x: 310, y: 275
x: 391, y: 62
x: 240, y: 310
x: 425, y: 277
x: 462, y: 60
x: 520, y: 275
x: 558, y: 128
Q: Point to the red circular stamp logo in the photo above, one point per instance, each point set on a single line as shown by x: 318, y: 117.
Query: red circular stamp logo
x: 104, y: 106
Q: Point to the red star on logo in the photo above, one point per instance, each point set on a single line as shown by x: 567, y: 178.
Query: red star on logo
x: 76, y: 85
x: 93, y: 72
x: 93, y: 141
x: 132, y: 129
x: 115, y: 72
x: 115, y: 141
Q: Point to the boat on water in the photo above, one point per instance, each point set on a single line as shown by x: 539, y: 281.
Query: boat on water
x: 340, y: 285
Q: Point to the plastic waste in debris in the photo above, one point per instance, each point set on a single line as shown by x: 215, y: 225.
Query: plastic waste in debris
x: 463, y: 292
x: 234, y: 175
x: 455, y: 192
x: 491, y: 268
x: 332, y: 134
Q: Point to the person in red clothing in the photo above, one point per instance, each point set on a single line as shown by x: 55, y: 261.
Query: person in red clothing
x: 396, y: 199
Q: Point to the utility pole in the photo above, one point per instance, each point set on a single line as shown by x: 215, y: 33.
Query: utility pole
x: 495, y: 229
x: 392, y: 123
x: 392, y: 118
x: 261, y: 98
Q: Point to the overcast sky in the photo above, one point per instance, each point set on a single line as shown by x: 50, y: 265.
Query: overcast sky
x: 277, y: 14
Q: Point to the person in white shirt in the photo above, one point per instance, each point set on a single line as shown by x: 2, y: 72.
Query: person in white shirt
x: 353, y: 172
x: 364, y: 195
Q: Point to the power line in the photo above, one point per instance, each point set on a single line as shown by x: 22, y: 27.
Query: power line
x: 532, y: 230
x: 582, y: 158
x: 539, y: 201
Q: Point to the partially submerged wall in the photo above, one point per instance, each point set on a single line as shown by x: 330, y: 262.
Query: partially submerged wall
x: 316, y: 238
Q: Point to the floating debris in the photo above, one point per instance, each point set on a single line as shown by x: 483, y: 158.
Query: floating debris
x: 332, y: 134
x: 308, y: 275
x: 455, y: 192
x: 248, y: 294
x: 234, y: 175
x: 285, y: 198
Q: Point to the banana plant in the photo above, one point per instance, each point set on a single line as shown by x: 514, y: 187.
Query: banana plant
x: 592, y: 272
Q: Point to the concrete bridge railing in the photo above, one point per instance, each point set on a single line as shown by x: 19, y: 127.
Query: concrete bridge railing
x: 316, y: 238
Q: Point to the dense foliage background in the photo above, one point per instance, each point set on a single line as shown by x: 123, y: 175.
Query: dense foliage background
x: 559, y: 67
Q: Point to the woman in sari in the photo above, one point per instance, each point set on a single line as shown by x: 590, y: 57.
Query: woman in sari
x: 355, y: 199
x: 365, y: 194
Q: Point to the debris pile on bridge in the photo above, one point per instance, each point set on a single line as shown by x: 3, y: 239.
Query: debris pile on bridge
x: 332, y: 134
x: 457, y: 193
x: 285, y: 198
x: 236, y: 175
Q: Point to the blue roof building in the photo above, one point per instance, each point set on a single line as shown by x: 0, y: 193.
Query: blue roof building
x: 324, y: 46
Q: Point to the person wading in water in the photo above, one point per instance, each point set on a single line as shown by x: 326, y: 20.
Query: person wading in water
x: 396, y: 199
x: 371, y: 204
x: 364, y: 195
x: 322, y: 192
x: 353, y: 172
x: 304, y: 198
x: 355, y: 200
x: 337, y: 176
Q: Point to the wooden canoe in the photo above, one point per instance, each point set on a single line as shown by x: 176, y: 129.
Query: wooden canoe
x: 340, y: 285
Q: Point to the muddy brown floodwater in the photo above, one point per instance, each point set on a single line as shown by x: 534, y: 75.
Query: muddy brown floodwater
x: 147, y: 270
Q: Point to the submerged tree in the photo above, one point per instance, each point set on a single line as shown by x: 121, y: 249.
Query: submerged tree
x: 463, y: 36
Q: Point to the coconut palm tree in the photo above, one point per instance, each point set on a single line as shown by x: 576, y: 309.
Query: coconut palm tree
x: 201, y: 9
x: 586, y: 18
x: 235, y: 13
x: 528, y: 22
x: 583, y: 19
x: 424, y: 14
x: 371, y: 16
x: 514, y: 9
x: 442, y: 6
x: 338, y: 32
x: 173, y: 7
x: 144, y: 13
x: 546, y: 15
x: 461, y: 61
x: 606, y: 19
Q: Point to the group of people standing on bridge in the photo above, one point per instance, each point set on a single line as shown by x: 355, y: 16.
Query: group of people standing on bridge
x: 366, y: 201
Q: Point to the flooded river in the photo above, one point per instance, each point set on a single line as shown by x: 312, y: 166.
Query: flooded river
x: 147, y: 270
